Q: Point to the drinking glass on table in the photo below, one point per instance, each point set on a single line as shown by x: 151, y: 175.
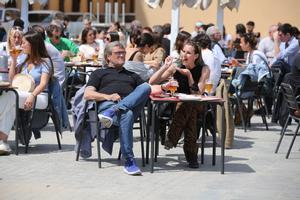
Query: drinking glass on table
x: 208, y: 87
x: 172, y: 86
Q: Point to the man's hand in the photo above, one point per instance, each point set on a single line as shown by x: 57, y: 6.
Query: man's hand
x: 113, y: 97
x: 65, y: 54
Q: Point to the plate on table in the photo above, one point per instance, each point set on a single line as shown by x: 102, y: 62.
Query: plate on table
x: 182, y: 96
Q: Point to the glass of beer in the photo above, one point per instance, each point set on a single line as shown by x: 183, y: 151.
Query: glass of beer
x: 172, y: 86
x: 208, y: 86
x: 16, y: 50
x: 95, y: 57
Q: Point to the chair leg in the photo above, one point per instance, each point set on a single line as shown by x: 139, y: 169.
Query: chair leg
x: 57, y: 130
x: 148, y: 124
x: 282, y: 133
x: 203, y: 137
x: 263, y: 116
x: 156, y: 140
x: 119, y: 154
x: 142, y: 133
x: 293, y: 140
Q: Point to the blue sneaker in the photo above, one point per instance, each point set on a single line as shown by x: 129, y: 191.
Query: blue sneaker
x: 131, y: 168
x: 106, y: 117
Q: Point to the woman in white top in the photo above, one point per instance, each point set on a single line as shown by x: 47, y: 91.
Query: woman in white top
x: 209, y: 59
x: 88, y: 47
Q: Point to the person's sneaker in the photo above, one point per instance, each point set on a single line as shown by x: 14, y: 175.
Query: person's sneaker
x: 106, y: 117
x: 4, y: 148
x: 131, y: 168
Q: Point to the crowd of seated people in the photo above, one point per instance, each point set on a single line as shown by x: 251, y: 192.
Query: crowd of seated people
x: 129, y: 62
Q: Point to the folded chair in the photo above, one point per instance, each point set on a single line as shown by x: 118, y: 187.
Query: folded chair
x: 90, y: 122
x: 293, y: 103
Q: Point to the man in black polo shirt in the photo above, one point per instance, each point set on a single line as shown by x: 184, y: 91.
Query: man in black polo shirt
x: 122, y: 95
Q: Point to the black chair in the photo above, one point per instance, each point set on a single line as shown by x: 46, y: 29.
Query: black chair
x: 90, y: 117
x: 36, y: 119
x: 293, y: 103
x: 208, y: 122
x: 254, y: 91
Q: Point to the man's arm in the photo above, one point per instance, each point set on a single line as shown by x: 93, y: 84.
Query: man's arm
x: 204, y: 77
x: 292, y: 48
x: 90, y: 93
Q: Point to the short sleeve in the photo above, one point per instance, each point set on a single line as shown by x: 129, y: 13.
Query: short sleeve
x: 46, y: 66
x: 94, y: 79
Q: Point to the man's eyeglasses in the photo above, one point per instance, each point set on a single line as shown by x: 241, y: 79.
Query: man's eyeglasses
x: 119, y: 53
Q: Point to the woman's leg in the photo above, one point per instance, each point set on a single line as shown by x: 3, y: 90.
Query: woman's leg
x: 180, y: 120
x: 190, y: 146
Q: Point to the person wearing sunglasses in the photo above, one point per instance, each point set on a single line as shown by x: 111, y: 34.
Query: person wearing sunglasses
x: 64, y: 45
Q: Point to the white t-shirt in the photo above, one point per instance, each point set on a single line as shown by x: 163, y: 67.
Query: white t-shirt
x: 88, y: 50
x: 266, y: 45
x: 214, y: 66
x: 58, y: 62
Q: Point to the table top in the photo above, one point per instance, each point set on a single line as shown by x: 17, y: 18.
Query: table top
x: 185, y: 98
x: 83, y: 64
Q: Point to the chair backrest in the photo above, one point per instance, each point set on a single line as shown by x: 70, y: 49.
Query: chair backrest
x: 277, y: 74
x: 289, y: 96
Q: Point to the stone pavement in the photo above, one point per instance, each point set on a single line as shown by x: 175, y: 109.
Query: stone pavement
x: 252, y: 171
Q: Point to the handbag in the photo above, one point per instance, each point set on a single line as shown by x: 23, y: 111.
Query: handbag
x: 23, y: 82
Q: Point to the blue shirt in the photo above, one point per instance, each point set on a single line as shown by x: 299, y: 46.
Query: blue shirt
x: 289, y: 53
x: 36, y: 71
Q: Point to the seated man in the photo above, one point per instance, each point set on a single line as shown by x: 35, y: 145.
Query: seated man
x: 122, y: 95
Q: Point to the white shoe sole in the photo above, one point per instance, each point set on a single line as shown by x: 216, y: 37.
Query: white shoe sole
x: 106, y: 122
x: 133, y: 173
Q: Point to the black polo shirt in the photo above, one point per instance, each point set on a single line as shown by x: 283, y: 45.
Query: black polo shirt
x: 111, y: 80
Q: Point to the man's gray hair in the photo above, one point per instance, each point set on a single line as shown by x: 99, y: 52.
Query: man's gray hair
x: 110, y: 46
x: 212, y: 30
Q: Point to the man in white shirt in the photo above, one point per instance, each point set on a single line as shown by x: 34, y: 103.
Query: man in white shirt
x: 285, y: 44
x: 266, y: 45
x: 215, y: 36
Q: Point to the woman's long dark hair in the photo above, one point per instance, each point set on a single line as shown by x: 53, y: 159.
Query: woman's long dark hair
x: 38, y: 51
x: 85, y: 33
x: 180, y: 39
x: 197, y: 50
